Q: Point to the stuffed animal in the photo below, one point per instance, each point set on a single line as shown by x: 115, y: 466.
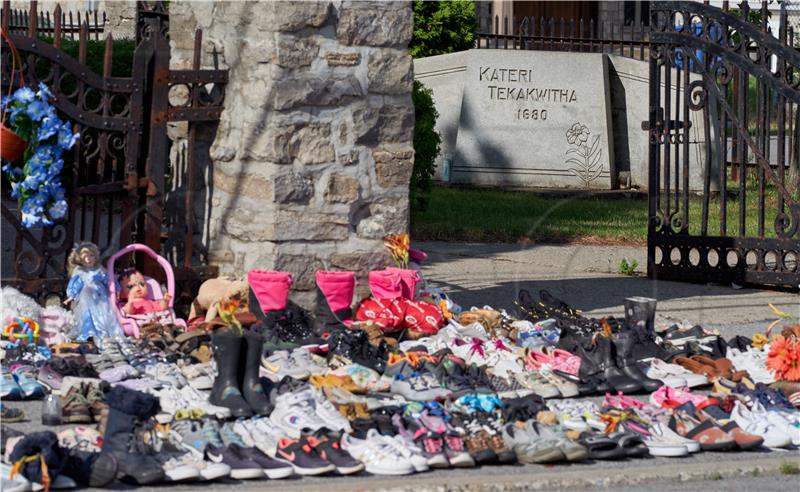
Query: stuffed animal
x: 216, y: 290
x: 14, y: 303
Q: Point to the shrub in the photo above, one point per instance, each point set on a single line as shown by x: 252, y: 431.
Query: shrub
x: 426, y: 145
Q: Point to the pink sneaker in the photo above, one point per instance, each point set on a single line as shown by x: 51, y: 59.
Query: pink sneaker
x: 622, y: 401
x: 666, y: 397
x: 564, y: 361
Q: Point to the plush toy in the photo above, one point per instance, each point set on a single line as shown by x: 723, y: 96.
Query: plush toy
x: 216, y: 290
x: 56, y: 323
x: 14, y: 303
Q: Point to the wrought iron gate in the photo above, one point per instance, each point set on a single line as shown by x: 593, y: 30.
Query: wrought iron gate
x: 736, y: 79
x: 117, y: 173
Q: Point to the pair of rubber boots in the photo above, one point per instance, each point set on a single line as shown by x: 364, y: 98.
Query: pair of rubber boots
x: 237, y: 385
x: 269, y: 292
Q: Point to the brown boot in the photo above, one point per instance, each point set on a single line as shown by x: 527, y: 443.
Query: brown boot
x: 75, y: 407
x: 96, y: 400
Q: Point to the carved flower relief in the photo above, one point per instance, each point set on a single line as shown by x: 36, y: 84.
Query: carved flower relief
x: 577, y: 133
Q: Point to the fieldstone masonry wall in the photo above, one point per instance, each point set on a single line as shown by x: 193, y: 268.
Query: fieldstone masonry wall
x: 313, y: 154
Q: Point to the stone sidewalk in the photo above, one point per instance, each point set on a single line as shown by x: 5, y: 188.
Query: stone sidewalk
x: 586, y: 277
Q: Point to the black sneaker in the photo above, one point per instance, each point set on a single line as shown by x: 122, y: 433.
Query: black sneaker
x: 293, y: 325
x: 273, y: 468
x: 302, y: 457
x: 329, y: 448
x: 242, y: 467
x: 478, y: 379
x: 362, y: 425
x: 355, y: 345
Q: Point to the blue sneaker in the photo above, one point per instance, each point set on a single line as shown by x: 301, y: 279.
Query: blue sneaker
x: 26, y: 377
x: 9, y: 389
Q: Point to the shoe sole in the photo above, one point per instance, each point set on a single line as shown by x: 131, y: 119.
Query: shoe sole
x: 669, y: 452
x: 278, y: 473
x: 462, y: 461
x: 547, y: 456
x: 183, y: 475
x: 247, y: 473
x: 438, y: 461
x: 207, y: 476
x: 386, y: 471
x: 576, y: 454
x: 104, y: 471
x: 349, y: 470
x: 486, y: 456
x: 310, y: 472
x: 722, y: 446
x: 76, y: 419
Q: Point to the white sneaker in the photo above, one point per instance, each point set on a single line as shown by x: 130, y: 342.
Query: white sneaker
x: 664, y: 442
x: 407, y: 450
x: 378, y: 458
x: 279, y: 365
x: 199, y: 376
x: 303, y: 360
x: 295, y: 412
x: 754, y: 362
x: 168, y: 374
x: 176, y: 469
x: 761, y: 424
x: 677, y: 371
x: 657, y: 370
x: 197, y: 399
x: 208, y: 470
x: 328, y: 413
x: 265, y: 434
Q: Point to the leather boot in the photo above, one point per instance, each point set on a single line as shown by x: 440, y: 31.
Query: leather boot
x: 624, y: 342
x: 613, y: 374
x: 591, y: 375
x: 126, y: 409
x: 252, y: 390
x: 92, y: 469
x: 226, y: 391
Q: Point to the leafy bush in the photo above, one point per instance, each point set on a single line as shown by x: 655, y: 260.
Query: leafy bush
x: 443, y: 27
x: 426, y: 145
x: 121, y: 59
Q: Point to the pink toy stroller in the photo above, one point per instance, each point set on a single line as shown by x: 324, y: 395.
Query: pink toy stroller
x: 131, y: 323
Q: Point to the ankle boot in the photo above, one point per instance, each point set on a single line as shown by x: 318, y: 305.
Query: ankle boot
x: 613, y: 374
x: 334, y: 296
x: 640, y: 311
x: 126, y: 409
x: 252, y: 390
x: 590, y: 373
x: 226, y: 391
x: 269, y: 291
x: 624, y: 342
x: 91, y: 469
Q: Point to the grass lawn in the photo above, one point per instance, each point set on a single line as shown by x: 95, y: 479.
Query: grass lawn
x: 471, y: 214
x: 485, y: 215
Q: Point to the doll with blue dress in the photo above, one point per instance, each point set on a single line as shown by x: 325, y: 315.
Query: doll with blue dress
x: 87, y: 290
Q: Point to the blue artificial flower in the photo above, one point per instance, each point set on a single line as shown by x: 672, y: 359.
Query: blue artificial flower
x: 50, y: 126
x: 58, y: 209
x: 24, y: 95
x: 44, y: 92
x: 54, y: 170
x: 32, y: 181
x: 15, y: 190
x: 66, y: 139
x: 36, y: 110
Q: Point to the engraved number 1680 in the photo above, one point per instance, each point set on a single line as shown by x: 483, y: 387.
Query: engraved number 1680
x: 531, y: 114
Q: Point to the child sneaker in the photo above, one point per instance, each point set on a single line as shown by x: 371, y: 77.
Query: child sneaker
x: 302, y: 457
x: 330, y: 449
x: 378, y: 458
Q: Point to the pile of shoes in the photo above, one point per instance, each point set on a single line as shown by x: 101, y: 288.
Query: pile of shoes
x: 345, y: 391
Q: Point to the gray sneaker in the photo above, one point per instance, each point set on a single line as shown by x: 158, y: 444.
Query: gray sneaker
x: 302, y: 359
x: 571, y: 449
x: 419, y: 387
x: 529, y: 445
x: 279, y: 365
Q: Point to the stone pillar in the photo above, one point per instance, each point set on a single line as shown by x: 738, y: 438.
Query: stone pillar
x: 313, y: 154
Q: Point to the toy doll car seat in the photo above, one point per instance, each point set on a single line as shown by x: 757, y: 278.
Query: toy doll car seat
x: 132, y: 323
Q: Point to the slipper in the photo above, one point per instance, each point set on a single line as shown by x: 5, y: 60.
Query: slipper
x: 696, y: 367
x: 631, y: 442
x: 601, y: 447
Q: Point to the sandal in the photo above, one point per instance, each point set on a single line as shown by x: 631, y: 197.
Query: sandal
x: 601, y: 447
x: 631, y: 442
x: 696, y: 367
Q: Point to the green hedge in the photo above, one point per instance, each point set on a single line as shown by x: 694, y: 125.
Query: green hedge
x: 426, y: 145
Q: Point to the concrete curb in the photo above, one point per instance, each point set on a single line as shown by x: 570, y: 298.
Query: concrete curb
x: 592, y: 477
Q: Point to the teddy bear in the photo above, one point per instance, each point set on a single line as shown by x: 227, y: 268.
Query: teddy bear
x: 216, y: 290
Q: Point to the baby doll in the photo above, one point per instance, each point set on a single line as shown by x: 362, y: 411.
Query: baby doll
x: 87, y: 290
x: 133, y: 290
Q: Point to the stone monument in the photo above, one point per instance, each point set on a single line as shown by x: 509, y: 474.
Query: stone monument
x: 530, y: 119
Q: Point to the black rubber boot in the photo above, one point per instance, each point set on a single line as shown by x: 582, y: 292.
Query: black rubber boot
x: 91, y: 469
x: 624, y: 344
x: 226, y: 392
x: 126, y: 409
x: 252, y: 390
x: 640, y: 311
x: 613, y: 374
x: 255, y: 306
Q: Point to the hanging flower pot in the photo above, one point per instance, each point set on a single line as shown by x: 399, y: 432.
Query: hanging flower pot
x: 12, y: 146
